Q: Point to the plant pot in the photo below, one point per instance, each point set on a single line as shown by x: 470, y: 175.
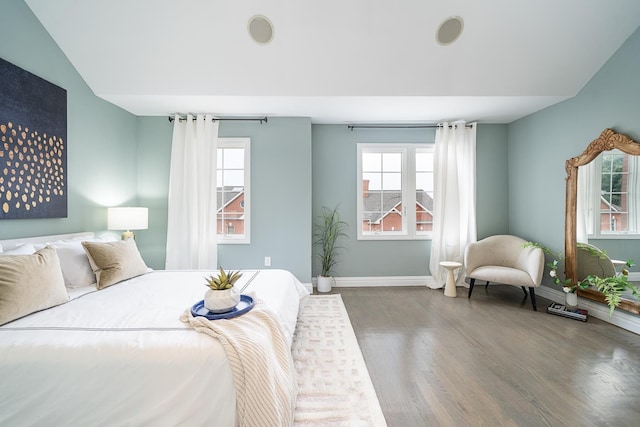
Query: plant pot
x: 571, y: 300
x: 324, y: 284
x: 221, y: 301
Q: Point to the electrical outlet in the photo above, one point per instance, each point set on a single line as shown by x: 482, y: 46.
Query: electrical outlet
x: 267, y: 261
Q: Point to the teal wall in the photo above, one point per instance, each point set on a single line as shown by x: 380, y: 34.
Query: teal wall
x: 154, y: 147
x: 334, y: 183
x: 280, y: 196
x: 101, y: 138
x: 540, y: 144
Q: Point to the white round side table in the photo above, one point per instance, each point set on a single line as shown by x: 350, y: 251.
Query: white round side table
x: 450, y: 287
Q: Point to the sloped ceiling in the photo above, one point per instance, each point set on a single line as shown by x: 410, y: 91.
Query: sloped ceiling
x: 339, y: 61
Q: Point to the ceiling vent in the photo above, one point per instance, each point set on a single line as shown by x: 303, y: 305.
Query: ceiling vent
x: 449, y: 30
x: 260, y: 29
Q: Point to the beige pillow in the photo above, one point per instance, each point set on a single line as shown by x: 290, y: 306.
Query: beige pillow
x: 29, y: 283
x: 113, y: 262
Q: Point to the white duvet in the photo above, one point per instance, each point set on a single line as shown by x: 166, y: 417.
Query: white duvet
x: 122, y: 357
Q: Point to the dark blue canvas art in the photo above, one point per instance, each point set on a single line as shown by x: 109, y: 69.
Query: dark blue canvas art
x: 33, y: 146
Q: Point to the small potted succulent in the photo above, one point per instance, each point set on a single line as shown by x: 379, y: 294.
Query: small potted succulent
x: 222, y: 296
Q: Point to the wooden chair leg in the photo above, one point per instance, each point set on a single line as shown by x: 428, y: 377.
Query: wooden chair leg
x: 486, y: 286
x: 472, y: 282
x: 524, y: 290
x: 533, y: 299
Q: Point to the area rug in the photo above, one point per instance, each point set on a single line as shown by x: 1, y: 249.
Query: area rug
x: 334, y: 387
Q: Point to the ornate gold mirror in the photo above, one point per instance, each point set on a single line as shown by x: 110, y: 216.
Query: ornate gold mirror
x: 608, y: 140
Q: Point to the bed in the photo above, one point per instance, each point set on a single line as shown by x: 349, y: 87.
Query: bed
x: 120, y: 355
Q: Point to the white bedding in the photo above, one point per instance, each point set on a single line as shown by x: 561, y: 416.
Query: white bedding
x: 121, y: 356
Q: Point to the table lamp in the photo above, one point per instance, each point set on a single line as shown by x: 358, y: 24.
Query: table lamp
x: 127, y: 218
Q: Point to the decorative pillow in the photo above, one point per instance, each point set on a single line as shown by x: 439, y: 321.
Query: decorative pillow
x: 113, y: 262
x: 30, y: 283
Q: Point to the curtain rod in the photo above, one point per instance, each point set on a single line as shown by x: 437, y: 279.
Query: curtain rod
x: 352, y: 127
x: 255, y: 119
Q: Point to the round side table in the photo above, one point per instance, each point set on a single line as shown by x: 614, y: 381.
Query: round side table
x: 450, y: 287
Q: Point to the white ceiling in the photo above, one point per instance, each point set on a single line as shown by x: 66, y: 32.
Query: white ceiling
x: 339, y: 61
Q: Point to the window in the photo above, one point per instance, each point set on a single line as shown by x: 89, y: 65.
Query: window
x: 395, y: 191
x: 615, y: 195
x: 233, y: 190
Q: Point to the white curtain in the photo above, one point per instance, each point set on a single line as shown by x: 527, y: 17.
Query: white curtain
x: 588, y: 199
x: 191, y: 229
x: 454, y: 222
x: 634, y: 193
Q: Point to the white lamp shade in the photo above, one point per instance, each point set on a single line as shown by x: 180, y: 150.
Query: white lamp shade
x: 127, y: 218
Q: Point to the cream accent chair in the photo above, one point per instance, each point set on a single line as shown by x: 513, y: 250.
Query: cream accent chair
x: 504, y: 259
x: 592, y: 261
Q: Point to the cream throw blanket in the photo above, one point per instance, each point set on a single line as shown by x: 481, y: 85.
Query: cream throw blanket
x: 261, y: 362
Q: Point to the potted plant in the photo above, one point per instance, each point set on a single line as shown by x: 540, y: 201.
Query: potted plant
x: 612, y: 287
x: 326, y: 233
x: 221, y: 296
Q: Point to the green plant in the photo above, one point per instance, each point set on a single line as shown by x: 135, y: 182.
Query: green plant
x: 326, y: 233
x: 222, y: 280
x: 612, y: 287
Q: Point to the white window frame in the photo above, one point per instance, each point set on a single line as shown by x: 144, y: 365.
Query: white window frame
x: 597, y: 233
x: 408, y: 152
x: 244, y: 143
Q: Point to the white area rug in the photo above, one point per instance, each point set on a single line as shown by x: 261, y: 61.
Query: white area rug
x: 334, y: 385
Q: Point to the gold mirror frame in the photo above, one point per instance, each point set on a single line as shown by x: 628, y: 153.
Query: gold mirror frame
x: 607, y: 141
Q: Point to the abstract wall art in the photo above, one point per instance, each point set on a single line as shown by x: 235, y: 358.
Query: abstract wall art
x: 33, y: 146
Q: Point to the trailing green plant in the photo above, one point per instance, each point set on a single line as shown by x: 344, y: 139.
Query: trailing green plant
x: 327, y: 230
x: 222, y: 280
x: 612, y: 287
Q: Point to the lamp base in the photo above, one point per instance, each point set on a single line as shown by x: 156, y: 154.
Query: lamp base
x: 128, y: 235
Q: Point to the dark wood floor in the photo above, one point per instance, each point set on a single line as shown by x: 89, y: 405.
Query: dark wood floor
x: 491, y: 360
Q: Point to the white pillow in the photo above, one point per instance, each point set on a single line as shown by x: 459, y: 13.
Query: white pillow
x: 74, y: 261
x: 21, y: 249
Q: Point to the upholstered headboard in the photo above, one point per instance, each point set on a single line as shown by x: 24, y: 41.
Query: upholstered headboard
x: 12, y: 243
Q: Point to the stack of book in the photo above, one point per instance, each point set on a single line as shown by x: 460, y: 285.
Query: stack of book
x: 561, y: 310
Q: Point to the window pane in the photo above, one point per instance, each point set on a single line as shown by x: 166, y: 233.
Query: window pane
x: 392, y: 181
x: 424, y: 162
x: 234, y: 158
x: 392, y: 162
x: 233, y: 178
x: 371, y: 162
x: 424, y: 181
x: 372, y: 181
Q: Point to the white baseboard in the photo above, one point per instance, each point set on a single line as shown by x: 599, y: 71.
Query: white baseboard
x: 308, y: 287
x: 372, y: 282
x: 623, y: 319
